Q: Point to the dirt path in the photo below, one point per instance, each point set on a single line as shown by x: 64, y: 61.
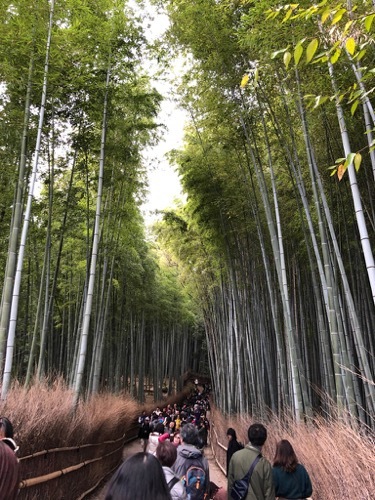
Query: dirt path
x: 216, y: 475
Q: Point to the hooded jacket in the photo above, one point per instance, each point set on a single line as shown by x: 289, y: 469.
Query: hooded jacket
x: 188, y: 455
x: 10, y: 442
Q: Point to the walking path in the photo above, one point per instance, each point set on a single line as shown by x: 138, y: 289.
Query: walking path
x: 216, y: 474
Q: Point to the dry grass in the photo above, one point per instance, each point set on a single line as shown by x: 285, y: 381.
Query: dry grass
x: 43, y: 420
x: 340, y: 460
x: 42, y: 417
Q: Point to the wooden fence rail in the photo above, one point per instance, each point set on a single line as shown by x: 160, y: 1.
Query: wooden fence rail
x: 57, y: 463
x: 219, y: 451
x: 54, y: 475
x: 69, y: 448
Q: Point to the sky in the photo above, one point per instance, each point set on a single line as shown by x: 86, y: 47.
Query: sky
x: 164, y: 184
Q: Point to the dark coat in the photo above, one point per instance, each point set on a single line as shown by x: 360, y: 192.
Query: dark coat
x: 295, y: 484
x: 233, y: 446
x: 144, y: 431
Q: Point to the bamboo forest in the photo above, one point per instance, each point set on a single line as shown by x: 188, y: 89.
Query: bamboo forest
x: 263, y: 276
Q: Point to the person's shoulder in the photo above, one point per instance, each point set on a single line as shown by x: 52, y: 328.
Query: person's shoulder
x: 301, y: 468
x: 240, y: 454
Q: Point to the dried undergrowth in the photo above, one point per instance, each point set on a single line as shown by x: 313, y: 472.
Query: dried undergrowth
x: 42, y: 417
x: 339, y: 459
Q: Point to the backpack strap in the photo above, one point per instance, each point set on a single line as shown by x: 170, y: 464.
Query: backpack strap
x: 252, y: 467
x: 172, y: 482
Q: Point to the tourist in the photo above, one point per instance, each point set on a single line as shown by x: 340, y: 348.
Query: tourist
x: 233, y: 445
x: 6, y: 433
x: 260, y: 484
x: 166, y: 453
x: 190, y: 459
x: 290, y: 478
x: 140, y: 477
x: 144, y: 434
x: 9, y: 473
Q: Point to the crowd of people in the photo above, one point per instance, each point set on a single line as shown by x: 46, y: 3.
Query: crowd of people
x: 173, y: 440
x: 171, y: 464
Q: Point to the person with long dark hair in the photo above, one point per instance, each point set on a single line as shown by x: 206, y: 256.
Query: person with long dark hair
x: 290, y: 478
x: 140, y: 477
x: 233, y: 445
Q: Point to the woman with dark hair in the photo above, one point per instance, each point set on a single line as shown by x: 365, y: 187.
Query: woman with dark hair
x: 166, y: 453
x: 233, y: 445
x: 140, y: 477
x: 290, y: 478
x: 9, y: 473
x: 6, y: 433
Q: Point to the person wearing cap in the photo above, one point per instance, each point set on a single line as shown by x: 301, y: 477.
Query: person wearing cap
x: 144, y: 434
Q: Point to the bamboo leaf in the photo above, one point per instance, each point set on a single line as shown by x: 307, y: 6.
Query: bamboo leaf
x: 354, y: 106
x: 311, y: 49
x: 325, y: 15
x: 244, y: 81
x: 320, y: 100
x: 340, y: 160
x: 287, y: 58
x: 360, y: 54
x: 337, y: 17
x: 333, y: 172
x: 335, y: 56
x: 368, y: 22
x: 357, y: 161
x: 287, y: 16
x: 350, y: 45
x: 349, y: 160
x: 256, y: 76
x: 347, y: 26
x: 276, y: 53
x: 298, y: 51
x: 341, y: 171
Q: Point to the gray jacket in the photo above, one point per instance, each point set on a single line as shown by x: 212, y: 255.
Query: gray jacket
x: 178, y: 491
